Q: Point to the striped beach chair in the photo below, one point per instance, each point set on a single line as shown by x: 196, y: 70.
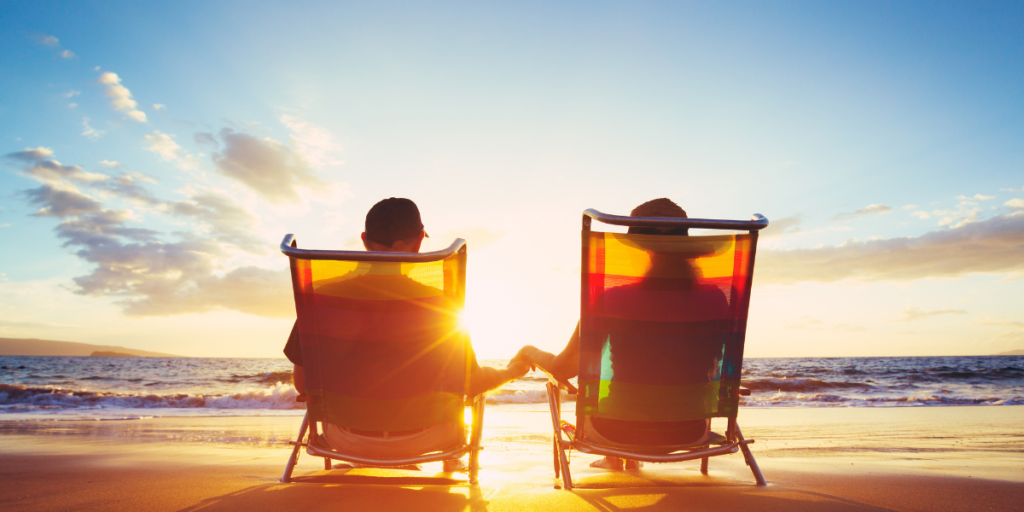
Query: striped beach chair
x: 662, y: 326
x: 383, y: 354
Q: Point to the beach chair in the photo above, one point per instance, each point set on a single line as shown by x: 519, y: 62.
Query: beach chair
x: 662, y: 326
x: 383, y: 354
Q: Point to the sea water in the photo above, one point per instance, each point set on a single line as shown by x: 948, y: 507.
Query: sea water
x: 105, y: 388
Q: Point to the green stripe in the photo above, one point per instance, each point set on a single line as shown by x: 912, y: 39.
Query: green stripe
x: 392, y: 414
x: 647, y: 402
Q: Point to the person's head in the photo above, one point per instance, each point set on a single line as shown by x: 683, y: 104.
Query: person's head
x: 393, y: 225
x: 663, y: 207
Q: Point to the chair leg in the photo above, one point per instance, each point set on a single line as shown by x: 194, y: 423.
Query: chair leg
x: 553, y: 403
x: 704, y: 462
x: 476, y: 433
x: 294, y: 457
x: 327, y: 463
x: 749, y: 458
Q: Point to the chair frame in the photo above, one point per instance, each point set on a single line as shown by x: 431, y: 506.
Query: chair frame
x: 734, y: 437
x: 290, y: 248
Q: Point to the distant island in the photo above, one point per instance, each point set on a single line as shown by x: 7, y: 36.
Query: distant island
x: 100, y: 353
x: 37, y: 347
x: 1012, y: 353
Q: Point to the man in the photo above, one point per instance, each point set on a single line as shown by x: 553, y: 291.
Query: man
x: 394, y: 225
x: 565, y: 365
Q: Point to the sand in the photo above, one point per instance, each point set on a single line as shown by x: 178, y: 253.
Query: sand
x: 948, y: 458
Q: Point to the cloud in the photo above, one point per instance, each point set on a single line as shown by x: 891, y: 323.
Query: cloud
x: 46, y: 169
x: 227, y: 221
x: 58, y: 202
x: 72, y: 105
x: 128, y: 187
x: 965, y: 213
x: 49, y: 40
x: 909, y: 206
x: 147, y: 276
x: 989, y: 246
x: 71, y: 94
x: 1016, y: 204
x: 31, y: 154
x: 159, y: 106
x: 921, y: 215
x: 783, y: 226
x: 89, y: 132
x: 912, y: 313
x: 252, y: 290
x: 867, y: 210
x: 68, y: 54
x: 110, y: 164
x: 977, y: 197
x: 206, y: 139
x: 163, y: 144
x: 315, y: 143
x: 120, y: 96
x: 268, y: 167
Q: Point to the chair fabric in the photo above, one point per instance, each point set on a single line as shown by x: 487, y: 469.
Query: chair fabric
x: 662, y: 326
x: 382, y: 348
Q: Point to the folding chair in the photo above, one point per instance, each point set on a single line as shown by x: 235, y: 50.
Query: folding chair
x: 662, y: 326
x: 383, y: 355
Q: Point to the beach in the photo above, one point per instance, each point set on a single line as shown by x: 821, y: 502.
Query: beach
x: 908, y: 458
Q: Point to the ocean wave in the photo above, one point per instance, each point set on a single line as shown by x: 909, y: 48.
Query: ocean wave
x: 801, y: 385
x: 826, y: 399
x: 523, y: 396
x: 283, y: 377
x: 15, y: 398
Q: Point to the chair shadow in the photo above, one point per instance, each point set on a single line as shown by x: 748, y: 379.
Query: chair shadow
x: 354, y: 492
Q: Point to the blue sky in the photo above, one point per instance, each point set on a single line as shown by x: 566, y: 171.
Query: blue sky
x: 882, y: 140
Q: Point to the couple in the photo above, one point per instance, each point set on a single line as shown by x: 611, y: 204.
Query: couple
x: 394, y: 225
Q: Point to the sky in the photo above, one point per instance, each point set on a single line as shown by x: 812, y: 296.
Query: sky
x: 153, y: 156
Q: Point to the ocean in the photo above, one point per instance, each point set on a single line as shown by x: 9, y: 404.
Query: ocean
x: 112, y: 388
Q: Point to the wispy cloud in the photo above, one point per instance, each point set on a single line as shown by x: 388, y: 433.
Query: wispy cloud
x: 976, y: 197
x: 68, y: 54
x: 48, y: 40
x: 159, y: 107
x: 783, y: 226
x: 268, y: 167
x: 164, y: 145
x: 120, y: 96
x: 912, y: 313
x: 1015, y: 204
x: 867, y: 210
x: 89, y: 132
x: 986, y: 246
x: 315, y: 143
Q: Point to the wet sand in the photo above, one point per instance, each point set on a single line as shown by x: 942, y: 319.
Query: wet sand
x: 937, y: 458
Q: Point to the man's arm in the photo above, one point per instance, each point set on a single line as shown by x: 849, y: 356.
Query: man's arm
x: 486, y: 378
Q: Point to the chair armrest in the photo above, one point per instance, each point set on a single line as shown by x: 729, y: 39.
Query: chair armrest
x: 744, y: 391
x: 564, y: 385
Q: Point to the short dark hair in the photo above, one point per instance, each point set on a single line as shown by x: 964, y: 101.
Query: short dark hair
x: 391, y: 220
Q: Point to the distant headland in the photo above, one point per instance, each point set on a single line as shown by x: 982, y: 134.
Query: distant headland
x: 37, y: 347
